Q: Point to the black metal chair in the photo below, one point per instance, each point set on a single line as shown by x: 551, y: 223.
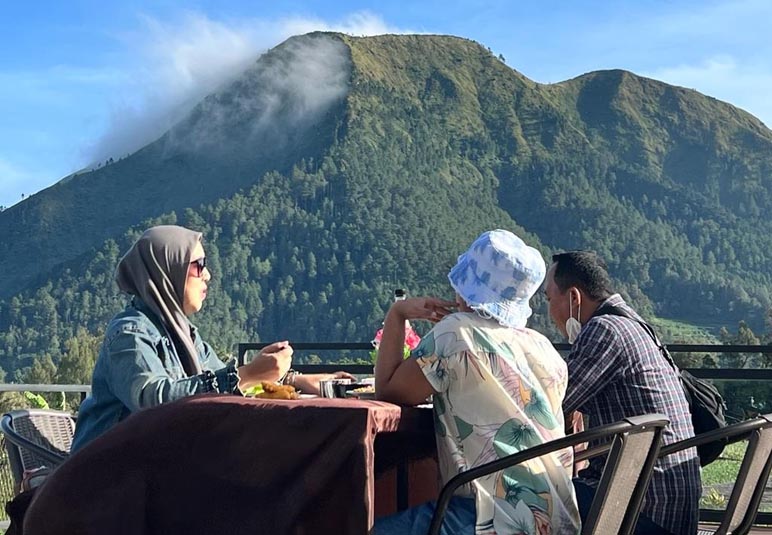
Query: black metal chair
x: 36, y: 438
x: 633, y: 449
x: 752, y: 478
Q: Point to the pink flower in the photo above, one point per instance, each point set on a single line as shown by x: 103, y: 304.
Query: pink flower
x: 411, y: 337
x: 377, y: 340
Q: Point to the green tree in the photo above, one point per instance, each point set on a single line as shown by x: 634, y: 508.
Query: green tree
x: 79, y: 358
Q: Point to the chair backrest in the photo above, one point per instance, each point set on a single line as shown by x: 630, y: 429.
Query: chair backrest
x: 36, y: 438
x: 634, y: 447
x: 754, y: 471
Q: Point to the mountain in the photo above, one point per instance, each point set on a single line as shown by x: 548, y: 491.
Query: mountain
x: 260, y: 123
x: 336, y: 168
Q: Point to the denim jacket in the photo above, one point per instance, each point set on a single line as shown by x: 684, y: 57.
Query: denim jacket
x: 138, y: 368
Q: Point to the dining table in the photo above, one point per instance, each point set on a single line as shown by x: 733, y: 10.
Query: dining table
x: 229, y: 464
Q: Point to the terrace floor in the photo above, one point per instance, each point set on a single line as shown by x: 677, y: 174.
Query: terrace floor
x: 755, y: 530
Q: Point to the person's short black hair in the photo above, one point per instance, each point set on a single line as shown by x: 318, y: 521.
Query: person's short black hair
x: 584, y: 270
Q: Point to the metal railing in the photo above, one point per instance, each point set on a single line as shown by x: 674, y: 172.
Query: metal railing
x: 316, y: 346
x: 746, y: 374
x: 741, y: 374
x: 21, y: 387
x: 721, y: 374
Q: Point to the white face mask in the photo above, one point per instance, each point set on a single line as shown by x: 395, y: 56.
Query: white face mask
x: 572, y: 324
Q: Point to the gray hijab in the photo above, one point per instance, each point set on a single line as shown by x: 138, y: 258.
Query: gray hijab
x: 155, y: 269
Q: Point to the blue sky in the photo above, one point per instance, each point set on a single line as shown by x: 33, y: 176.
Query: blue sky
x: 81, y: 81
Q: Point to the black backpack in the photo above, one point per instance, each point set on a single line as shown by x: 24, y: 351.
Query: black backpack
x: 705, y: 403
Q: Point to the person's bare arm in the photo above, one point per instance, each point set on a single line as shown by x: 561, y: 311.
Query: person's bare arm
x: 309, y: 382
x: 270, y: 364
x: 396, y: 379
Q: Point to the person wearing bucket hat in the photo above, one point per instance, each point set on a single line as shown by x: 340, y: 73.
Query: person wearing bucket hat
x: 497, y: 388
x: 497, y: 277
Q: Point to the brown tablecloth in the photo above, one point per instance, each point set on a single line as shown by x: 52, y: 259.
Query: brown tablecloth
x: 223, y: 464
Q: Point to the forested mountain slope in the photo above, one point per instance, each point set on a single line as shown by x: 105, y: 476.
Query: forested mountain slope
x: 337, y: 168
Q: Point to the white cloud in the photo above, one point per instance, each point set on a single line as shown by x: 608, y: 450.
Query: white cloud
x: 48, y: 115
x: 725, y: 51
x: 360, y: 23
x: 721, y: 48
x: 725, y: 22
x: 181, y: 62
x: 294, y: 88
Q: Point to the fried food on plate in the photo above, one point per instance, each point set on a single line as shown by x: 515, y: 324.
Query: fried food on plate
x: 277, y: 391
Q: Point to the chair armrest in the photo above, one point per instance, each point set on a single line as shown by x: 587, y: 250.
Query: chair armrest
x: 626, y: 425
x: 22, y: 442
x: 738, y: 432
x: 591, y: 453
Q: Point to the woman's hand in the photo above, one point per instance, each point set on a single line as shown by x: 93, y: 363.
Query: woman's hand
x: 410, y: 384
x: 270, y: 364
x: 276, y: 348
x: 309, y: 383
x: 423, y: 308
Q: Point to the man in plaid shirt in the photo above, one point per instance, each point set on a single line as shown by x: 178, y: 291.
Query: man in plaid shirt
x: 615, y: 370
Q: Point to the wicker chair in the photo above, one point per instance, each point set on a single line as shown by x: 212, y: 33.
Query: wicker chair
x: 36, y: 438
x: 634, y: 446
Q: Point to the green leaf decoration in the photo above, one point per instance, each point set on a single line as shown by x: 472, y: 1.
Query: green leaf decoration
x: 513, y: 518
x: 439, y: 427
x: 514, y: 436
x: 519, y: 478
x: 538, y: 408
x: 464, y: 429
x: 439, y: 405
x: 36, y: 400
x: 529, y: 497
x: 426, y: 347
x: 485, y: 343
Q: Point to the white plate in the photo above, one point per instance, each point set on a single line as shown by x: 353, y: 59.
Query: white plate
x: 307, y: 396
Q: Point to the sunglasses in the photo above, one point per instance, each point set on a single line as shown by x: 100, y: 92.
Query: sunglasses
x: 199, y: 266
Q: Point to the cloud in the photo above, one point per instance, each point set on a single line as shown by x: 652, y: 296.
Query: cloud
x: 48, y: 116
x: 744, y: 84
x: 726, y: 22
x: 724, y: 50
x: 361, y: 23
x: 181, y: 62
x: 271, y: 102
x: 718, y: 47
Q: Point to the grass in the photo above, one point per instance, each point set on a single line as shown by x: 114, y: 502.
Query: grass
x: 725, y: 468
x: 721, y: 472
x: 674, y: 331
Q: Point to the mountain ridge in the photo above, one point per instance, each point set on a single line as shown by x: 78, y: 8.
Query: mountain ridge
x: 376, y: 161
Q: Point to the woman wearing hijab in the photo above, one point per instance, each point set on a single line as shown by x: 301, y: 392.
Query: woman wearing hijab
x: 152, y: 353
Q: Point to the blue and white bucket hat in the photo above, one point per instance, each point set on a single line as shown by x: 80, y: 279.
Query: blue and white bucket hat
x: 498, y: 275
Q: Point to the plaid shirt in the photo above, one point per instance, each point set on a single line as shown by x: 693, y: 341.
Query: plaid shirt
x: 615, y: 370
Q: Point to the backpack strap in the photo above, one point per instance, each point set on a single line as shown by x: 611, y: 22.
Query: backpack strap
x: 613, y: 310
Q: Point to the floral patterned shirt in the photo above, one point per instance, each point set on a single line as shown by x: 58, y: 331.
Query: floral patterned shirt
x: 500, y: 391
